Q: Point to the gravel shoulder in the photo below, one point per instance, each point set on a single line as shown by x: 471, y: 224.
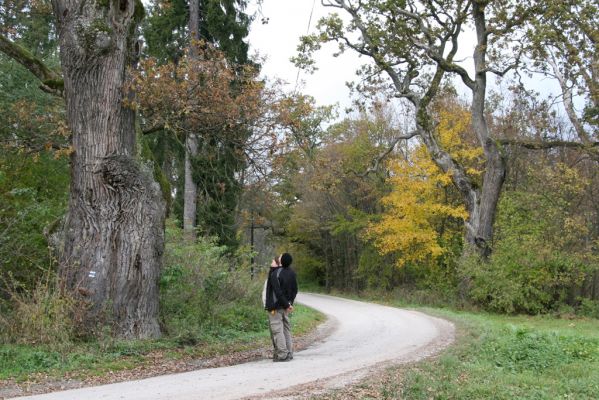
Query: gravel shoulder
x: 357, y: 339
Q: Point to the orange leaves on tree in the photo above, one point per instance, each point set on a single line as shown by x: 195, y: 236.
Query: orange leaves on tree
x: 201, y: 96
x: 36, y: 129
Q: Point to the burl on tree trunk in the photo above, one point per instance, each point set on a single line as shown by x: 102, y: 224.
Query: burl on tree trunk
x: 114, y: 231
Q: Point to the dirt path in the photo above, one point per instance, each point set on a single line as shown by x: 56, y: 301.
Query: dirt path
x: 366, y: 336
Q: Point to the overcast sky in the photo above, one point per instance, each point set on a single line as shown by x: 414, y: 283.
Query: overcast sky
x: 277, y: 40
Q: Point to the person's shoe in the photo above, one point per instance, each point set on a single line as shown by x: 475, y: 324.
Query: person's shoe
x: 288, y: 358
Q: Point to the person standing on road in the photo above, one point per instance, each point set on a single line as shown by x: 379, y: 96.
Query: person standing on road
x: 281, y: 290
x: 276, y: 263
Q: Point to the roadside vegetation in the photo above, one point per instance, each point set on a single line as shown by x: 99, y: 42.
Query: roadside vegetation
x: 209, y: 307
x: 20, y: 363
x: 494, y: 357
x: 433, y: 190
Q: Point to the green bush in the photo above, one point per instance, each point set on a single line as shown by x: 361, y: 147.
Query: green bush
x: 205, y: 292
x: 535, y: 266
x: 33, y: 196
x: 589, y: 308
x: 518, y: 280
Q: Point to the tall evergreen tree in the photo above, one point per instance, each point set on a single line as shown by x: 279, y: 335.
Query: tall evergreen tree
x: 219, y: 160
x: 223, y: 23
x: 33, y: 184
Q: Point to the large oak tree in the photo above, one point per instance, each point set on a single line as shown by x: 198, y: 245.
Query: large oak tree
x: 113, y: 235
x: 412, y: 47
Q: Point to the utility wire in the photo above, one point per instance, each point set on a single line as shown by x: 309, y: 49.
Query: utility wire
x: 307, y: 32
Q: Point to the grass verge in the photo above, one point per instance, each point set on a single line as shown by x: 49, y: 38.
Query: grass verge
x: 20, y: 363
x: 496, y: 357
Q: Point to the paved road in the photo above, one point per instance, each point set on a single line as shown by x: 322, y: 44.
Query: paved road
x: 365, y: 335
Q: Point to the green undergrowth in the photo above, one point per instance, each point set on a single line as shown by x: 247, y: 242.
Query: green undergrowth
x: 21, y: 362
x: 499, y: 357
x: 209, y: 306
x: 496, y: 357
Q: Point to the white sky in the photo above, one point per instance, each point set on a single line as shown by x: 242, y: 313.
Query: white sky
x: 288, y: 20
x: 278, y: 40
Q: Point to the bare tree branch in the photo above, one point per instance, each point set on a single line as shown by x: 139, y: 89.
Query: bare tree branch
x: 541, y: 145
x: 152, y: 129
x: 513, y: 65
x: 376, y: 163
x: 400, y: 84
x: 330, y: 3
x: 447, y: 65
x: 568, y: 100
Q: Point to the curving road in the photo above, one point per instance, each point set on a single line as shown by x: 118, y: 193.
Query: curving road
x: 364, y: 336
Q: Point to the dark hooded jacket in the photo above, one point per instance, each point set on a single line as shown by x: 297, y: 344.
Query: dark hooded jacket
x: 281, y: 288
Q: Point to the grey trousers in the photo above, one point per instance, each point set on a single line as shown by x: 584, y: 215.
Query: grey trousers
x: 280, y: 333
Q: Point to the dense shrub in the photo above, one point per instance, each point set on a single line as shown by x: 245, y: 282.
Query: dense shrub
x: 205, y: 291
x: 33, y: 196
x: 518, y: 280
x: 538, y: 259
x: 588, y: 308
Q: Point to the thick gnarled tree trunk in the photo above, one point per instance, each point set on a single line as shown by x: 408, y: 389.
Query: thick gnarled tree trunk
x: 114, y: 232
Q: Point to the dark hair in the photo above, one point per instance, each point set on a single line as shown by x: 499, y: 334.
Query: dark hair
x: 286, y: 260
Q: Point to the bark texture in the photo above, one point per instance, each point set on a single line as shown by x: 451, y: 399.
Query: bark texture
x: 190, y: 194
x: 114, y: 231
x: 481, y: 232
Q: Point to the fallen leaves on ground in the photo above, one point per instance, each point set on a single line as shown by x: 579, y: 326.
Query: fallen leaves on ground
x: 158, y: 362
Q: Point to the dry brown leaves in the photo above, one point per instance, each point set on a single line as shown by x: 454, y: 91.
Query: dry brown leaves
x: 155, y: 363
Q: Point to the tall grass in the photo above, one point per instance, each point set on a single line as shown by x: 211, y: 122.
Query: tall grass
x: 44, y: 315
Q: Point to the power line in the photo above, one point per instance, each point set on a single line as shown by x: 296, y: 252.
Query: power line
x: 307, y: 32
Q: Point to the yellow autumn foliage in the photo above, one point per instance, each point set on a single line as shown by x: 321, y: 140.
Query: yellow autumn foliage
x: 419, y: 203
x: 453, y: 123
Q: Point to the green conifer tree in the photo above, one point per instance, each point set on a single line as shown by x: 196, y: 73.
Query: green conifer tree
x: 216, y: 168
